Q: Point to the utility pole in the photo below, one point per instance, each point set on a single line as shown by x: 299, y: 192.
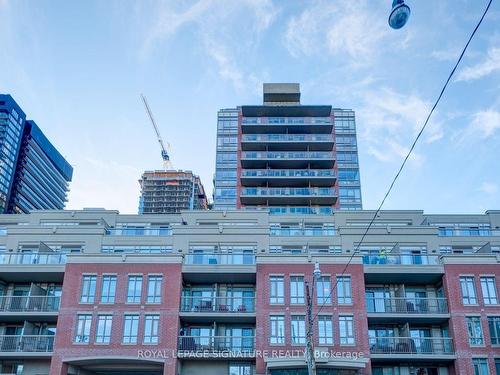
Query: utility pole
x: 311, y: 360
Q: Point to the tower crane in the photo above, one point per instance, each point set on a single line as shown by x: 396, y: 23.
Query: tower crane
x: 167, y: 164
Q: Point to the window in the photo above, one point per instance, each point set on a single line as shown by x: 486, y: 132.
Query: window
x: 83, y: 323
x: 298, y: 329
x: 277, y: 290
x: 130, y: 329
x: 325, y: 329
x: 240, y: 369
x: 494, y: 326
x: 154, y: 288
x: 277, y: 323
x: 88, y: 289
x: 344, y: 289
x: 151, y: 323
x: 346, y: 328
x: 324, y: 290
x: 480, y: 366
x: 489, y: 290
x: 497, y: 366
x: 468, y: 290
x: 103, y: 333
x: 134, y: 289
x: 108, y: 291
x: 297, y: 289
x: 475, y: 330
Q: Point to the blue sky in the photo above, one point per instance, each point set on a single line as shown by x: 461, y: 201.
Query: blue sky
x: 77, y: 69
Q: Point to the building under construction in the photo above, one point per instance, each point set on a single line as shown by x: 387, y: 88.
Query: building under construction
x: 166, y: 192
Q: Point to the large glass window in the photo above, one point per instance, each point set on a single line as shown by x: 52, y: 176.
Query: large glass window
x: 151, y: 324
x: 154, y: 288
x: 298, y: 329
x: 344, y: 290
x: 480, y: 366
x: 134, y: 289
x: 475, y: 330
x: 346, y: 330
x: 88, y: 289
x: 130, y: 329
x: 277, y: 324
x: 468, y: 290
x: 325, y: 329
x: 108, y: 291
x: 277, y: 290
x: 489, y: 290
x: 494, y: 327
x: 240, y: 369
x: 103, y: 332
x: 323, y: 290
x: 297, y: 289
x: 83, y: 324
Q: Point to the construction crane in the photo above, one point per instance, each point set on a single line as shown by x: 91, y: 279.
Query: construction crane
x: 167, y: 164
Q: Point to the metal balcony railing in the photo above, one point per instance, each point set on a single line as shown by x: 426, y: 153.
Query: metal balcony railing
x: 407, y: 305
x: 29, y: 303
x: 218, y: 304
x: 27, y: 343
x: 411, y: 345
x: 219, y: 259
x: 289, y: 191
x: 288, y: 173
x: 287, y: 120
x: 307, y: 210
x: 139, y: 232
x: 31, y: 258
x: 287, y: 155
x: 236, y: 344
x: 401, y: 259
x: 292, y: 232
x: 287, y: 138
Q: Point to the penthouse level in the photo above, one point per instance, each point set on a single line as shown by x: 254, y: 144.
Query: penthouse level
x: 223, y: 292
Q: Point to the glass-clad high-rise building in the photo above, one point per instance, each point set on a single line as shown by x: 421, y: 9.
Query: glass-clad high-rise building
x: 287, y: 157
x: 33, y: 174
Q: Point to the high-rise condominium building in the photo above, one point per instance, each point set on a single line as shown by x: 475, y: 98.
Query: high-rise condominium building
x: 33, y: 174
x: 224, y: 293
x: 287, y: 157
x: 167, y: 192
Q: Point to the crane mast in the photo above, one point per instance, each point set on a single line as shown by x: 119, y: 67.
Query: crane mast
x: 167, y: 164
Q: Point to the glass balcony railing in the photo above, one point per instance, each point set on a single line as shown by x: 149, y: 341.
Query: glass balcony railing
x: 285, y: 210
x: 286, y: 121
x: 411, y: 345
x: 236, y: 344
x: 219, y: 259
x: 407, y: 305
x: 288, y: 173
x: 218, y: 304
x: 287, y: 155
x: 287, y: 138
x: 291, y: 232
x: 30, y: 258
x: 139, y: 231
x: 29, y: 303
x: 401, y: 259
x: 464, y: 232
x: 27, y: 343
x: 318, y: 191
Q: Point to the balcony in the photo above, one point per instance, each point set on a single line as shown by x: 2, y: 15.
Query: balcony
x: 313, y: 125
x: 298, y: 159
x: 32, y: 267
x: 262, y: 195
x: 397, y: 348
x: 402, y: 268
x: 195, y: 309
x: 231, y: 346
x: 139, y: 231
x: 22, y: 304
x: 303, y: 210
x: 26, y: 344
x: 31, y: 258
x: 308, y: 232
x: 276, y: 142
x: 217, y: 267
x: 403, y: 309
x: 288, y: 177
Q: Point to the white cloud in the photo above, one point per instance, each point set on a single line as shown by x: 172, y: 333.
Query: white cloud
x: 488, y: 188
x: 339, y: 28
x: 489, y: 65
x: 485, y: 123
x: 214, y: 24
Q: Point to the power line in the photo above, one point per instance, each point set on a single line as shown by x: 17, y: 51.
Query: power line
x: 405, y: 159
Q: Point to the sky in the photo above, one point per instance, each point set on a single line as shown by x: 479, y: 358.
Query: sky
x: 78, y: 67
